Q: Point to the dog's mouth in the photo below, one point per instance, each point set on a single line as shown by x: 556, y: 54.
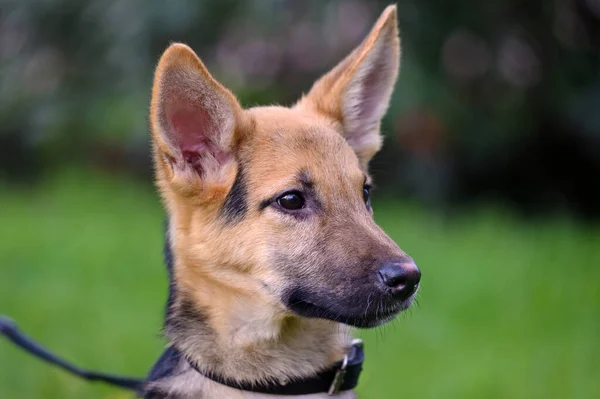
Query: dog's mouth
x: 374, y: 312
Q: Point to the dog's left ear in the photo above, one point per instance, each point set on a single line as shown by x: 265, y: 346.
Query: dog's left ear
x: 357, y: 91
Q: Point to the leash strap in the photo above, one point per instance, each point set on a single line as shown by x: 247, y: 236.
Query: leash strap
x: 342, y: 376
x: 12, y: 332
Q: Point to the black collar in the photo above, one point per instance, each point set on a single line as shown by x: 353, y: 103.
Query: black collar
x: 342, y: 376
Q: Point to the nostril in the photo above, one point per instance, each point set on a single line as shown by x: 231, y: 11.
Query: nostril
x: 402, y: 278
x: 392, y: 276
x: 416, y: 276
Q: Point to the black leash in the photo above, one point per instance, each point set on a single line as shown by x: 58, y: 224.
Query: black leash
x: 341, y: 376
x: 12, y: 332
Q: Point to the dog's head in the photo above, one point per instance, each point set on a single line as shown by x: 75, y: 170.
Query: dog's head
x: 274, y: 201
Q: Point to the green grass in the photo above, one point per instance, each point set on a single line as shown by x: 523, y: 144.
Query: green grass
x: 507, y: 309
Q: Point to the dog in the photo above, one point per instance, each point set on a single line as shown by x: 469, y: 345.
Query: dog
x: 272, y: 248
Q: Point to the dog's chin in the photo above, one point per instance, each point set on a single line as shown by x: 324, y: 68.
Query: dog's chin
x: 314, y: 307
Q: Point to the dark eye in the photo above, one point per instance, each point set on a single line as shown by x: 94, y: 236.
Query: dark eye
x: 367, y: 194
x: 291, y: 201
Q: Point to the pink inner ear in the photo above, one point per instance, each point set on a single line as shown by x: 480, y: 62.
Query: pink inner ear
x: 192, y: 131
x: 190, y: 128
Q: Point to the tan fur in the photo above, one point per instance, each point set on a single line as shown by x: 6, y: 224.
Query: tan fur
x: 228, y: 315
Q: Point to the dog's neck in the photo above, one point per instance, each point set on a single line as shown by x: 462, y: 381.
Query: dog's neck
x: 230, y: 334
x: 227, y: 332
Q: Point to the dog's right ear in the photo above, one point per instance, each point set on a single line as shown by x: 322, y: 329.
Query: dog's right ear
x: 196, y: 125
x: 357, y: 91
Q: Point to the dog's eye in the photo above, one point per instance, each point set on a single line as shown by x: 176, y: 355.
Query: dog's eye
x: 291, y: 201
x: 367, y: 195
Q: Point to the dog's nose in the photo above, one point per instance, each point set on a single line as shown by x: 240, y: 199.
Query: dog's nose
x: 401, y: 277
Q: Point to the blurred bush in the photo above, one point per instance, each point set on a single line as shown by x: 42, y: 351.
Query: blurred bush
x: 495, y: 99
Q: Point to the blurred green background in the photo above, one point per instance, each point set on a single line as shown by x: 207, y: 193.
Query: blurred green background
x: 489, y: 178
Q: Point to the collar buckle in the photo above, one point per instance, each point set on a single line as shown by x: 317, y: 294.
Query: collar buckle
x: 338, y: 379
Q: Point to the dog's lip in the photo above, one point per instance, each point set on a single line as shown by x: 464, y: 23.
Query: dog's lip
x: 307, y: 308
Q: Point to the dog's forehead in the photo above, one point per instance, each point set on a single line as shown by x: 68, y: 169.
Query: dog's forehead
x: 289, y: 123
x: 286, y: 141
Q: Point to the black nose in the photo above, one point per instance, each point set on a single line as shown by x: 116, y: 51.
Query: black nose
x: 401, y: 277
